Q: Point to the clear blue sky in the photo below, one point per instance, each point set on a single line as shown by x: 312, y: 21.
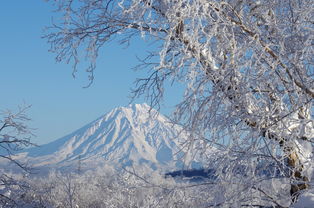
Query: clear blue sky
x: 30, y: 74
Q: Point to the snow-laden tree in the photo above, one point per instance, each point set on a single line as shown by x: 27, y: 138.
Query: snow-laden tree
x: 15, y: 135
x: 105, y: 187
x: 247, y: 67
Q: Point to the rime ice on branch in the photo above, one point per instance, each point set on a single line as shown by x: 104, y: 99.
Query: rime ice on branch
x: 15, y: 135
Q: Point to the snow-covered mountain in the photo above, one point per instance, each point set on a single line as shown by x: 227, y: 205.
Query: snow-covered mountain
x: 124, y: 136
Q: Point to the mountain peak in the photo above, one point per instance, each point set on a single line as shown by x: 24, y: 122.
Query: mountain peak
x: 136, y: 113
x: 142, y: 108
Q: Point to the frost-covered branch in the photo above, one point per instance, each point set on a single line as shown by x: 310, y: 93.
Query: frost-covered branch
x: 15, y: 135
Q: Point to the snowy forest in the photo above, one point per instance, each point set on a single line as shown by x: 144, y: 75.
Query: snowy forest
x: 246, y: 114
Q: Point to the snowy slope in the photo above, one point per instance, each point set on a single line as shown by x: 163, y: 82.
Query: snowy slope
x: 124, y: 136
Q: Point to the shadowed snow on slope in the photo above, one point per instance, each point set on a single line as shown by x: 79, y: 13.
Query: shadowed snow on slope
x: 124, y: 136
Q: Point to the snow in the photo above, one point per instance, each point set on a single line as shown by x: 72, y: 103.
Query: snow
x: 306, y: 200
x: 306, y: 156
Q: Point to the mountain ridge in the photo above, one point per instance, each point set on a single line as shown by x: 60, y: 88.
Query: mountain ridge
x: 132, y: 135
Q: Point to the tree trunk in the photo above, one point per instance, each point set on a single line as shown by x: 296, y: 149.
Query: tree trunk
x: 299, y: 182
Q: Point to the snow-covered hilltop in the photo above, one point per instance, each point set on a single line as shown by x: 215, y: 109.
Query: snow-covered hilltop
x: 124, y: 136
